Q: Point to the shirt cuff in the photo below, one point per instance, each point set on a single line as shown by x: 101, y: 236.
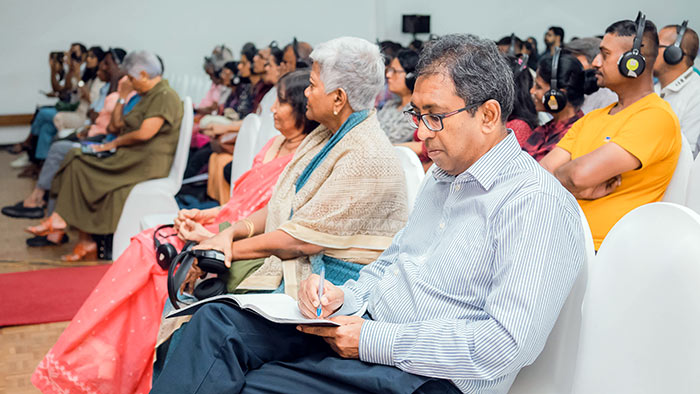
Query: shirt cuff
x: 377, y: 342
x: 350, y: 304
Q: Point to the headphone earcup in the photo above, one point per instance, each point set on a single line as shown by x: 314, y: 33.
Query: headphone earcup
x: 410, y: 81
x: 554, y: 100
x: 165, y: 253
x: 673, y: 55
x: 631, y: 64
x: 209, y: 288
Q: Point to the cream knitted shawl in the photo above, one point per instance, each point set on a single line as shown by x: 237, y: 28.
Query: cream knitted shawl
x: 353, y: 203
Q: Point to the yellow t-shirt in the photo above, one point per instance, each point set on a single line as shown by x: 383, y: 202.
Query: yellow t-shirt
x: 649, y: 130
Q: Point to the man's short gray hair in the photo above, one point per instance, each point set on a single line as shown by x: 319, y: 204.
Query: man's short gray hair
x: 354, y: 65
x: 588, y: 47
x: 138, y: 61
x: 477, y: 69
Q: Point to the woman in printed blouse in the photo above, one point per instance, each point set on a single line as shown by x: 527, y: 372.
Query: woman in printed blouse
x: 574, y: 82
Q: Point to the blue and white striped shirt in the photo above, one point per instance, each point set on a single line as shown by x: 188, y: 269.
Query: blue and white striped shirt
x: 471, y: 287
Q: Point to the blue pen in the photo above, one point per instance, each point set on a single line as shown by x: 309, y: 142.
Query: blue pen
x: 321, y: 279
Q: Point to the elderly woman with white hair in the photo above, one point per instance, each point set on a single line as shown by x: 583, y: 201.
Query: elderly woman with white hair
x: 90, y: 189
x: 341, y: 199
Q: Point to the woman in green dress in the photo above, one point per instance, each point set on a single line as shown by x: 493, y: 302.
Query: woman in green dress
x: 90, y: 191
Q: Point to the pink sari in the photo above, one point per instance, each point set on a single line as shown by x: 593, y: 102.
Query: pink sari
x: 109, y: 345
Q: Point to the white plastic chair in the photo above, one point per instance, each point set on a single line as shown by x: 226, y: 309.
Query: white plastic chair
x: 677, y: 189
x: 267, y: 131
x: 155, y: 195
x: 553, y: 371
x: 413, y: 169
x: 693, y: 196
x: 244, y: 151
x: 641, y: 312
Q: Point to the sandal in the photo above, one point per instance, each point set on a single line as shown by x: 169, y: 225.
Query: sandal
x: 53, y: 239
x: 81, y: 252
x: 44, y: 228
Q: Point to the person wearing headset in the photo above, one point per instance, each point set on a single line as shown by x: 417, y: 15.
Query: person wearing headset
x: 620, y: 157
x: 400, y: 77
x: 678, y: 83
x: 559, y: 89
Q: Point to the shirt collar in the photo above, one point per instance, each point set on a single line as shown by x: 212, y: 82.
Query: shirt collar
x: 681, y: 81
x: 488, y: 167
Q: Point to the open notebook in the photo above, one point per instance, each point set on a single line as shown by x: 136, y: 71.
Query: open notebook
x: 278, y: 308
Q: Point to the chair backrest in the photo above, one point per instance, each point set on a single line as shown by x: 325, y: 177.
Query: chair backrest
x: 553, y: 371
x: 641, y: 312
x: 413, y: 170
x: 244, y: 152
x: 677, y: 190
x: 177, y: 170
x: 693, y: 196
x: 267, y: 130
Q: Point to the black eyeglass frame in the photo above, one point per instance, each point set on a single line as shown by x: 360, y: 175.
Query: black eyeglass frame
x: 410, y: 115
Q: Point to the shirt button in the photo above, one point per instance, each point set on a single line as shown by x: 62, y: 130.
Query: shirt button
x: 458, y: 187
x: 395, y: 271
x: 442, y: 224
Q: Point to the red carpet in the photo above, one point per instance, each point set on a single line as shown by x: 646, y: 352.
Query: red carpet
x: 46, y: 296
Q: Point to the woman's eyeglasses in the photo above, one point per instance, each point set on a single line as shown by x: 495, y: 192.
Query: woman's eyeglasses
x: 434, y: 121
x: 392, y: 70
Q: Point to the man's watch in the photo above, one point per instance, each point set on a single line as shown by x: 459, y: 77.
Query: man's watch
x: 121, y: 101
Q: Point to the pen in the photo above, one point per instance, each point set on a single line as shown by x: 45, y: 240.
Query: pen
x: 321, y: 279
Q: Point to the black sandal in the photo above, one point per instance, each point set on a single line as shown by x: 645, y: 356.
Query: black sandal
x: 42, y: 240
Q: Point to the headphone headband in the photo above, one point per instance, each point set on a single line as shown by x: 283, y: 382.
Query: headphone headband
x: 681, y: 31
x: 641, y: 23
x: 511, y: 48
x: 555, y: 68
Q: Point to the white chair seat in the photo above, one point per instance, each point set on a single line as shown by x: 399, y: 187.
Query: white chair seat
x: 244, y: 150
x: 677, y: 189
x: 641, y: 311
x: 150, y: 221
x: 413, y: 170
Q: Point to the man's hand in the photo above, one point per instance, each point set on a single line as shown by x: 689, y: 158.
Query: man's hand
x: 601, y: 190
x: 344, y: 340
x: 308, y: 301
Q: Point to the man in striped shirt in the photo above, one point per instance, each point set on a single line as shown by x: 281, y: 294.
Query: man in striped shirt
x: 464, y: 297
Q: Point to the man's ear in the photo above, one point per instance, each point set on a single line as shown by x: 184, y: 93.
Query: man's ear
x: 490, y: 116
x: 143, y: 75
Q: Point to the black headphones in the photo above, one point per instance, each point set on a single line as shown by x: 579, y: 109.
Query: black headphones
x: 209, y: 261
x: 165, y: 252
x: 511, y: 48
x: 301, y: 62
x: 674, y: 54
x: 554, y: 100
x: 631, y: 64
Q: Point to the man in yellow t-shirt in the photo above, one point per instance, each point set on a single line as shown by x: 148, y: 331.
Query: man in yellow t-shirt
x: 620, y: 157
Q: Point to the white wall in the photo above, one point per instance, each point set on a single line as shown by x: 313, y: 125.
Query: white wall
x: 182, y: 32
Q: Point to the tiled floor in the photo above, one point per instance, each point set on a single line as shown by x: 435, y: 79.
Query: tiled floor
x: 22, y: 347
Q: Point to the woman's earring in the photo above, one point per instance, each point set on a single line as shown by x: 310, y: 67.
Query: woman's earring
x: 335, y: 112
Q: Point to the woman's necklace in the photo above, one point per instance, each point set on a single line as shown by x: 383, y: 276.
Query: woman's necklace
x: 288, y: 141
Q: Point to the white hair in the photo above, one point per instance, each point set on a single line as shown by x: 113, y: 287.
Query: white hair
x: 138, y: 61
x: 353, y: 64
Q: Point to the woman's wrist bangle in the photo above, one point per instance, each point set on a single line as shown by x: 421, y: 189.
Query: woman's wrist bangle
x: 249, y: 226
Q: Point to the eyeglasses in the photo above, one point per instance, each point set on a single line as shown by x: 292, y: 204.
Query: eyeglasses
x: 434, y: 121
x: 392, y: 70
